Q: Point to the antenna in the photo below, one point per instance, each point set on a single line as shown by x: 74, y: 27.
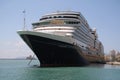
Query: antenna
x: 24, y: 20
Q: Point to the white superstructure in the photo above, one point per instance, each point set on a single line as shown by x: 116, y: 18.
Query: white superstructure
x: 73, y: 25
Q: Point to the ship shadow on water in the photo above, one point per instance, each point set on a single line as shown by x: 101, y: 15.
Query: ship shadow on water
x: 36, y: 64
x: 96, y: 65
x: 93, y: 65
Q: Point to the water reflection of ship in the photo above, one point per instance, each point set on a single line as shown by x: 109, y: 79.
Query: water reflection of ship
x: 64, y: 39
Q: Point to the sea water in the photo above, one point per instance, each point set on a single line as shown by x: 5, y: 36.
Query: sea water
x: 20, y: 70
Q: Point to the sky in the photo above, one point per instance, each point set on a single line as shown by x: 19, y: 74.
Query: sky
x: 104, y: 15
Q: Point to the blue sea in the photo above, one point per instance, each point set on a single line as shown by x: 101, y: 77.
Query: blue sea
x: 20, y: 70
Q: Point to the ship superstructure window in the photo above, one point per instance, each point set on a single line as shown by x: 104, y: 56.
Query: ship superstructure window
x: 72, y: 22
x: 41, y: 23
x: 70, y: 17
x: 57, y: 16
x: 55, y: 22
x: 44, y: 23
x: 49, y: 22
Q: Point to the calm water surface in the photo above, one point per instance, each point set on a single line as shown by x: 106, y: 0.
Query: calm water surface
x: 19, y: 70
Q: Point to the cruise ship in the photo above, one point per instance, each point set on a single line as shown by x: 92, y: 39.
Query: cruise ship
x: 64, y: 38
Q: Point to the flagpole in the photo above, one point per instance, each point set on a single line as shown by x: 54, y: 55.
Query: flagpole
x: 24, y: 20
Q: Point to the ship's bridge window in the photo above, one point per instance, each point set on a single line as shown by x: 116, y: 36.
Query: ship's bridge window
x: 41, y: 23
x: 44, y: 23
x: 44, y: 18
x: 35, y: 25
x: 50, y: 22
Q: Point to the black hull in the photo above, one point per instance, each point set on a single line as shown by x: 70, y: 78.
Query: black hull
x: 53, y: 53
